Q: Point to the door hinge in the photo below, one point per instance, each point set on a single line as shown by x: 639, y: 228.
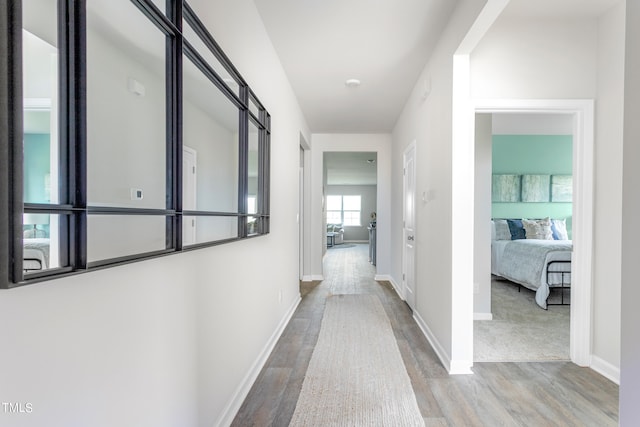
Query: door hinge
x: 194, y: 170
x: 403, y: 277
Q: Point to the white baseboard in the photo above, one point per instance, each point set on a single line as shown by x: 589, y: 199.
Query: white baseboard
x: 605, y: 369
x: 312, y: 278
x: 455, y: 367
x: 437, y: 347
x: 482, y: 316
x: 388, y: 278
x: 232, y: 408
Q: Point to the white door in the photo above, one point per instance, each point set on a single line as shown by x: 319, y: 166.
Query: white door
x: 301, y: 222
x: 408, y: 232
x: 188, y: 195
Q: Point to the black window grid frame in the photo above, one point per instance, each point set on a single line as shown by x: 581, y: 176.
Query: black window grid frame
x: 72, y: 206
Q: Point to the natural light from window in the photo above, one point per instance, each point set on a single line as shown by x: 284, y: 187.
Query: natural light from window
x: 344, y: 210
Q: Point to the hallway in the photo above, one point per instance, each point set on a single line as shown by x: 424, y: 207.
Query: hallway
x: 532, y: 394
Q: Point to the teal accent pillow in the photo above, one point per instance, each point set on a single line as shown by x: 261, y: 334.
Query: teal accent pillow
x: 516, y: 229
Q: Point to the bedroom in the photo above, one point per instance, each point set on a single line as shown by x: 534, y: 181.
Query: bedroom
x: 529, y: 156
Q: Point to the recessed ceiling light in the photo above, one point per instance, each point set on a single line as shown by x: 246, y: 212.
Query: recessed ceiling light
x: 352, y: 83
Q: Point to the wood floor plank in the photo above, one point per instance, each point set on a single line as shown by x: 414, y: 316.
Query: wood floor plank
x: 498, y: 394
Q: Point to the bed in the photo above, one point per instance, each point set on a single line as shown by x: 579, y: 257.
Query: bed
x: 35, y: 254
x: 536, y: 264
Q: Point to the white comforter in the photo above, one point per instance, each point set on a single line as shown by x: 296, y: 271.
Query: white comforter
x: 526, y: 261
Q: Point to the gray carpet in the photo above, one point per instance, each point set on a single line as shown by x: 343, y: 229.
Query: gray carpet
x: 520, y: 330
x: 356, y: 376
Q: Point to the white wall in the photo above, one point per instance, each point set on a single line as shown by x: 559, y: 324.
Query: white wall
x: 536, y: 52
x: 571, y: 58
x: 378, y: 143
x: 170, y: 341
x: 630, y: 352
x: 429, y: 123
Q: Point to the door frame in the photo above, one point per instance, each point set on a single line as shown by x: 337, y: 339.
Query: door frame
x: 405, y: 293
x: 582, y: 111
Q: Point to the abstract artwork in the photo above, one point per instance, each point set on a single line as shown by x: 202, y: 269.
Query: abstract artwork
x: 561, y: 188
x: 535, y: 188
x: 505, y: 188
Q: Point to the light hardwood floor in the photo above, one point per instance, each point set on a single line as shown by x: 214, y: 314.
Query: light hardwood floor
x: 508, y: 394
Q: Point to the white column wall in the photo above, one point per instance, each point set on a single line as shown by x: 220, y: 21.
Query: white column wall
x: 630, y: 352
x: 427, y: 118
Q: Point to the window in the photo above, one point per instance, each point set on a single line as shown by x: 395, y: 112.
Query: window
x: 343, y: 210
x: 136, y: 144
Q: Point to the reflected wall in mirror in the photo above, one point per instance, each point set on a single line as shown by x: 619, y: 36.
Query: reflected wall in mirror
x: 211, y: 128
x: 126, y: 107
x: 114, y: 236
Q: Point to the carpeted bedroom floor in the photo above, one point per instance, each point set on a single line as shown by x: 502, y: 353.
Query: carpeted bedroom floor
x: 520, y: 329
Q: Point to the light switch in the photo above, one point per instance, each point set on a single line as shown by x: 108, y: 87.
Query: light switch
x: 136, y: 194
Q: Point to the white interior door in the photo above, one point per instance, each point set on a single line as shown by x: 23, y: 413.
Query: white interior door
x: 189, y: 160
x: 408, y: 232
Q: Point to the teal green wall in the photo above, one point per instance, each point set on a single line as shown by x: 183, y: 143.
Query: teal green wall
x: 37, y: 166
x: 532, y: 154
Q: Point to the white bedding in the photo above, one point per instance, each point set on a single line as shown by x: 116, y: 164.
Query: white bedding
x: 35, y: 254
x: 525, y: 262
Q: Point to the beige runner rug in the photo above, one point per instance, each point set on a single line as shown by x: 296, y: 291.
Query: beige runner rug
x: 356, y: 376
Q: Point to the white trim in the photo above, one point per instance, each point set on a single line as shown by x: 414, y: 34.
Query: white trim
x: 232, y: 408
x: 388, y: 278
x: 312, y: 277
x: 583, y: 186
x: 435, y: 344
x: 606, y: 369
x: 37, y: 104
x: 482, y: 316
x: 457, y: 367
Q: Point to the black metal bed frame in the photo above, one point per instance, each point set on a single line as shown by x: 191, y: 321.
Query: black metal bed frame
x: 565, y: 270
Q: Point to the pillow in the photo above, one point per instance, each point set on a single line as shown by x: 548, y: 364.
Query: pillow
x: 559, y: 229
x: 501, y: 230
x: 538, y: 229
x: 516, y: 229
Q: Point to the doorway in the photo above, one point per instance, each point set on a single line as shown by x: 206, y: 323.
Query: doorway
x: 408, y: 227
x: 350, y: 187
x: 537, y: 151
x: 582, y: 112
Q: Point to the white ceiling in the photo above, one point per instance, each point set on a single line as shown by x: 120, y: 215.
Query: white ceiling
x: 384, y: 43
